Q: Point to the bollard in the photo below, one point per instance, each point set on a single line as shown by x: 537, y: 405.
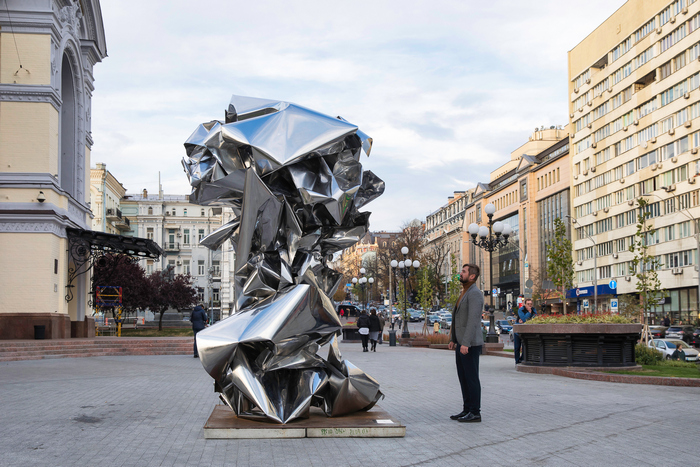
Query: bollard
x: 392, y: 338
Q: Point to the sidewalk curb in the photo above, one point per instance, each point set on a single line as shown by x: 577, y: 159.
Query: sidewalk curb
x: 610, y: 377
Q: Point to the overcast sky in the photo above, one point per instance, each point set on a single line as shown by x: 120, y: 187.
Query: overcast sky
x: 447, y: 89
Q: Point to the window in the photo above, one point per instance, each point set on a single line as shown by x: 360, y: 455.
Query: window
x: 583, y: 122
x: 670, y: 233
x: 631, y: 217
x: 619, y: 245
x: 171, y: 264
x: 150, y: 210
x: 186, y: 266
x: 149, y: 267
x: 215, y: 295
x: 604, y: 226
x: 604, y: 272
x: 149, y: 233
x: 646, y: 108
x: 200, y: 267
x: 523, y: 189
x: 684, y: 229
x: 644, y: 30
x: 665, y: 16
x: 620, y: 221
x: 621, y: 49
x: 674, y: 92
x: 665, y: 70
x: 186, y: 237
x: 184, y: 212
x: 675, y: 36
x: 679, y: 62
x: 174, y: 212
x: 605, y: 248
x: 200, y: 294
x: 202, y: 212
x: 201, y: 234
x: 216, y: 268
x: 679, y: 259
x: 620, y: 269
x: 600, y: 111
x: 644, y: 57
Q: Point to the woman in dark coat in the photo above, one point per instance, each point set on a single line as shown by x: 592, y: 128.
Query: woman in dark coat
x: 374, y: 329
x: 363, y: 323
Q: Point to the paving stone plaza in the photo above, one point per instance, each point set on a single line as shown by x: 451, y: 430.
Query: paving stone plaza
x: 149, y: 411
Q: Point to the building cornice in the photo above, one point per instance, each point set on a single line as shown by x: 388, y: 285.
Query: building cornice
x: 30, y: 93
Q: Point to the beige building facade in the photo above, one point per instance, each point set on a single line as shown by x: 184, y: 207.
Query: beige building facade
x: 634, y: 109
x: 105, y: 194
x: 47, y: 53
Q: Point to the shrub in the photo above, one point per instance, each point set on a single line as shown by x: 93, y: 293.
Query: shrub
x: 587, y: 318
x: 647, y: 356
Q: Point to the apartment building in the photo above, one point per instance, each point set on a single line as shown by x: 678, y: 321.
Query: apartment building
x: 634, y: 108
x: 178, y: 227
x: 105, y: 195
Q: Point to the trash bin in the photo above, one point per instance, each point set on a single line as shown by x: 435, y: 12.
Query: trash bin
x: 40, y: 332
x: 392, y: 338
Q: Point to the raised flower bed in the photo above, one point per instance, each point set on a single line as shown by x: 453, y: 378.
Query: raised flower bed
x: 576, y: 341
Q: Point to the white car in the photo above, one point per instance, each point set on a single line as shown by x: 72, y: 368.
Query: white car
x: 668, y: 346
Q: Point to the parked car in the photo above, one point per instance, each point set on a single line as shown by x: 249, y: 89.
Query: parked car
x: 415, y: 316
x: 668, y: 346
x: 446, y: 322
x: 695, y: 340
x: 433, y: 318
x: 503, y: 326
x: 684, y: 333
x: 658, y: 332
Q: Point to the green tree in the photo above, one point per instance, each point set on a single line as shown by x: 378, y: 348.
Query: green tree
x: 628, y: 305
x: 454, y: 287
x: 645, y: 266
x: 560, y: 264
x: 425, y: 293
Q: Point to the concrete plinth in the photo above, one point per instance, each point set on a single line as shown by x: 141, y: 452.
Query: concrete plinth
x: 376, y: 423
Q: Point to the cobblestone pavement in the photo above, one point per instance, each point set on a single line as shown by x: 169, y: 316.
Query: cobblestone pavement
x: 149, y: 411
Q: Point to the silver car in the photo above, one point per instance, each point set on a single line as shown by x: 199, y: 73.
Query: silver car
x: 668, y: 346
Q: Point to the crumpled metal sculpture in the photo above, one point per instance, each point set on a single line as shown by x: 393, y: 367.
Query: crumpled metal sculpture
x: 294, y: 180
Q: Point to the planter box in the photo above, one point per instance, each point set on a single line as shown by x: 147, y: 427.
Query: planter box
x: 350, y: 334
x: 579, y: 345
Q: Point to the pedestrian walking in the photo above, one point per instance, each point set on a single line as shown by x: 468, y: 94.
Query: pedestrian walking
x: 198, y: 318
x: 382, y: 322
x: 363, y: 325
x: 466, y: 340
x: 525, y: 313
x: 374, y: 328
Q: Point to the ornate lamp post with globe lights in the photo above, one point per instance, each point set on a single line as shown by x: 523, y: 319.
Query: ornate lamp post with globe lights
x: 405, y: 271
x: 491, y: 238
x: 363, y: 283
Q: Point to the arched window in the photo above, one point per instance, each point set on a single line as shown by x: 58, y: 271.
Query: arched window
x: 150, y: 210
x: 67, y: 168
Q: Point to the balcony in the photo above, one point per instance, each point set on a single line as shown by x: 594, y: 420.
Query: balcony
x: 113, y: 214
x: 123, y: 224
x: 171, y: 246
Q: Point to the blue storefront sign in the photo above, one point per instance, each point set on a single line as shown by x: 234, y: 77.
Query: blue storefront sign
x: 603, y: 289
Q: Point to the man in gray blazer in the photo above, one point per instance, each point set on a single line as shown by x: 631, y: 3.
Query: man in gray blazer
x: 466, y: 339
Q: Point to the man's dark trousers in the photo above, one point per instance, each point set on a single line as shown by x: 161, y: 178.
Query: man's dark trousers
x: 195, y: 340
x: 468, y: 374
x: 517, y: 345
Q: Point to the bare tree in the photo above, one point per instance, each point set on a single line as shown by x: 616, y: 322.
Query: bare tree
x: 436, y: 257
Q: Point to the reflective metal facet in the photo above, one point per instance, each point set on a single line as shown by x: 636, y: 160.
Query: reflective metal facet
x: 294, y: 180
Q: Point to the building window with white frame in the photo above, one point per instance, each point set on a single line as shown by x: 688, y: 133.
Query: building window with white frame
x: 200, y: 267
x: 186, y: 266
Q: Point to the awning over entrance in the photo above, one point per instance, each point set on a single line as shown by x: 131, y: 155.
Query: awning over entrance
x: 87, y: 246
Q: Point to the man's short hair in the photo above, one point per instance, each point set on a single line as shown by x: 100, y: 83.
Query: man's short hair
x: 473, y: 269
x: 528, y: 300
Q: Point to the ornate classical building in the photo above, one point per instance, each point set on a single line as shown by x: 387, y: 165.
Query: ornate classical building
x: 47, y: 53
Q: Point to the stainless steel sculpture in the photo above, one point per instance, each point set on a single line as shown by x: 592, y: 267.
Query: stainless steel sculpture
x: 295, y: 182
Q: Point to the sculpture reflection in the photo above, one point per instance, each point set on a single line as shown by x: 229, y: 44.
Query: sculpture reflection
x: 294, y: 180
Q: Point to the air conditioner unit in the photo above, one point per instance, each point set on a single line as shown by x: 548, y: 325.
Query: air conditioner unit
x: 606, y: 209
x: 686, y: 95
x: 671, y: 131
x: 691, y: 180
x: 167, y: 213
x: 610, y: 90
x: 576, y: 90
x: 580, y: 263
x: 571, y: 116
x: 594, y: 145
x: 694, y: 151
x: 631, y: 202
x: 672, y: 20
x: 671, y: 188
x: 635, y: 123
x: 676, y: 271
x: 684, y: 10
x: 622, y: 180
x: 653, y: 167
x: 585, y: 172
x: 645, y: 144
x: 595, y: 213
x: 688, y: 124
x: 593, y: 168
x: 179, y: 263
x: 660, y: 165
x: 674, y: 159
x: 588, y: 81
x: 590, y: 125
x: 624, y: 128
x: 653, y: 140
x: 615, y: 255
x: 628, y: 278
x: 658, y: 30
x: 575, y: 177
x: 590, y: 104
x: 179, y: 234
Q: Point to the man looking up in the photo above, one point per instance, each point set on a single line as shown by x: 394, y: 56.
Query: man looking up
x: 466, y: 339
x: 525, y: 312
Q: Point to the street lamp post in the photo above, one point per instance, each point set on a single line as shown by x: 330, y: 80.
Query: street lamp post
x: 405, y: 271
x: 595, y: 265
x: 363, y: 282
x: 491, y: 238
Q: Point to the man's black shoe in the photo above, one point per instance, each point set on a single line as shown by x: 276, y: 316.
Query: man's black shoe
x: 470, y: 418
x: 459, y: 415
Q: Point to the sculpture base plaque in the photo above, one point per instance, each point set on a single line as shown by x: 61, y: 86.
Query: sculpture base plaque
x: 375, y: 423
